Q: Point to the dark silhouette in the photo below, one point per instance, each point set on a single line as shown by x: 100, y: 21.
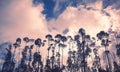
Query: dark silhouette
x: 81, y: 48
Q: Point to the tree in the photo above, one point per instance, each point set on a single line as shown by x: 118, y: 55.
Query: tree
x: 82, y: 33
x: 9, y: 64
x: 96, y: 62
x: 26, y: 39
x: 57, y: 41
x: 63, y: 39
x: 37, y: 58
x: 38, y: 43
x: 118, y: 51
x: 104, y: 37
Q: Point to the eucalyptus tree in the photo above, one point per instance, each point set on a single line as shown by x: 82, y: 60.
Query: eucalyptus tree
x: 37, y: 58
x: 17, y: 45
x: 82, y: 34
x: 116, y: 67
x: 63, y: 39
x: 48, y: 37
x: 96, y: 62
x: 118, y: 51
x: 87, y: 48
x: 70, y: 60
x: 29, y: 67
x: 51, y: 47
x: 70, y: 42
x: 23, y: 66
x: 83, y: 49
x: 30, y: 44
x: 51, y: 61
x: 79, y: 51
x: 26, y: 39
x: 104, y: 37
x: 9, y: 64
x: 48, y: 61
x: 47, y: 66
x: 87, y: 51
x: 57, y: 40
x: 38, y: 43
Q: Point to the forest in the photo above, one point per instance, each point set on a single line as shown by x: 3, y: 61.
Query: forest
x: 81, y: 49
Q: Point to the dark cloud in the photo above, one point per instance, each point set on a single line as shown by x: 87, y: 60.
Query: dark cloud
x: 49, y: 6
x: 65, y: 31
x: 105, y: 13
x: 114, y: 3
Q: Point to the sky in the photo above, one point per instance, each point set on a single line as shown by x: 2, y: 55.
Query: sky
x: 36, y: 18
x: 19, y: 18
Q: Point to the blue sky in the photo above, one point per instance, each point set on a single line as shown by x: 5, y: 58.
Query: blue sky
x: 49, y: 5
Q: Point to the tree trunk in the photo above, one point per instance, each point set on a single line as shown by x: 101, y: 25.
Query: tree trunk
x: 62, y: 56
x: 108, y: 60
x: 84, y: 58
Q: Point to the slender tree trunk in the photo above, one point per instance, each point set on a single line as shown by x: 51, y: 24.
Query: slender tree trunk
x: 119, y: 60
x: 19, y: 56
x: 48, y: 53
x: 52, y: 58
x: 84, y: 58
x: 62, y: 56
x: 108, y: 60
x: 59, y: 56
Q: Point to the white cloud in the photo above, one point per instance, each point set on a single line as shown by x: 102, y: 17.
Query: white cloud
x: 22, y: 19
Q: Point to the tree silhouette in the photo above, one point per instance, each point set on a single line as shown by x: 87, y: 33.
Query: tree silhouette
x: 37, y: 58
x: 9, y: 64
x: 104, y: 37
x: 81, y: 47
x: 96, y: 62
x: 63, y: 39
x: 118, y: 51
x: 57, y: 40
x: 83, y: 62
x: 26, y: 39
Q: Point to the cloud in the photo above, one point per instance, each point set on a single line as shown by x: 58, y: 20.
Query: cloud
x: 53, y: 8
x: 73, y: 19
x: 114, y: 3
x: 76, y: 17
x: 20, y: 18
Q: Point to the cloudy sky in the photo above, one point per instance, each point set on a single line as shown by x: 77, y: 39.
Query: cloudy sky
x: 36, y: 18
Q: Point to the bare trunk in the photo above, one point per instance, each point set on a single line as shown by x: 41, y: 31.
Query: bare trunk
x: 108, y: 60
x: 62, y: 56
x: 59, y: 56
